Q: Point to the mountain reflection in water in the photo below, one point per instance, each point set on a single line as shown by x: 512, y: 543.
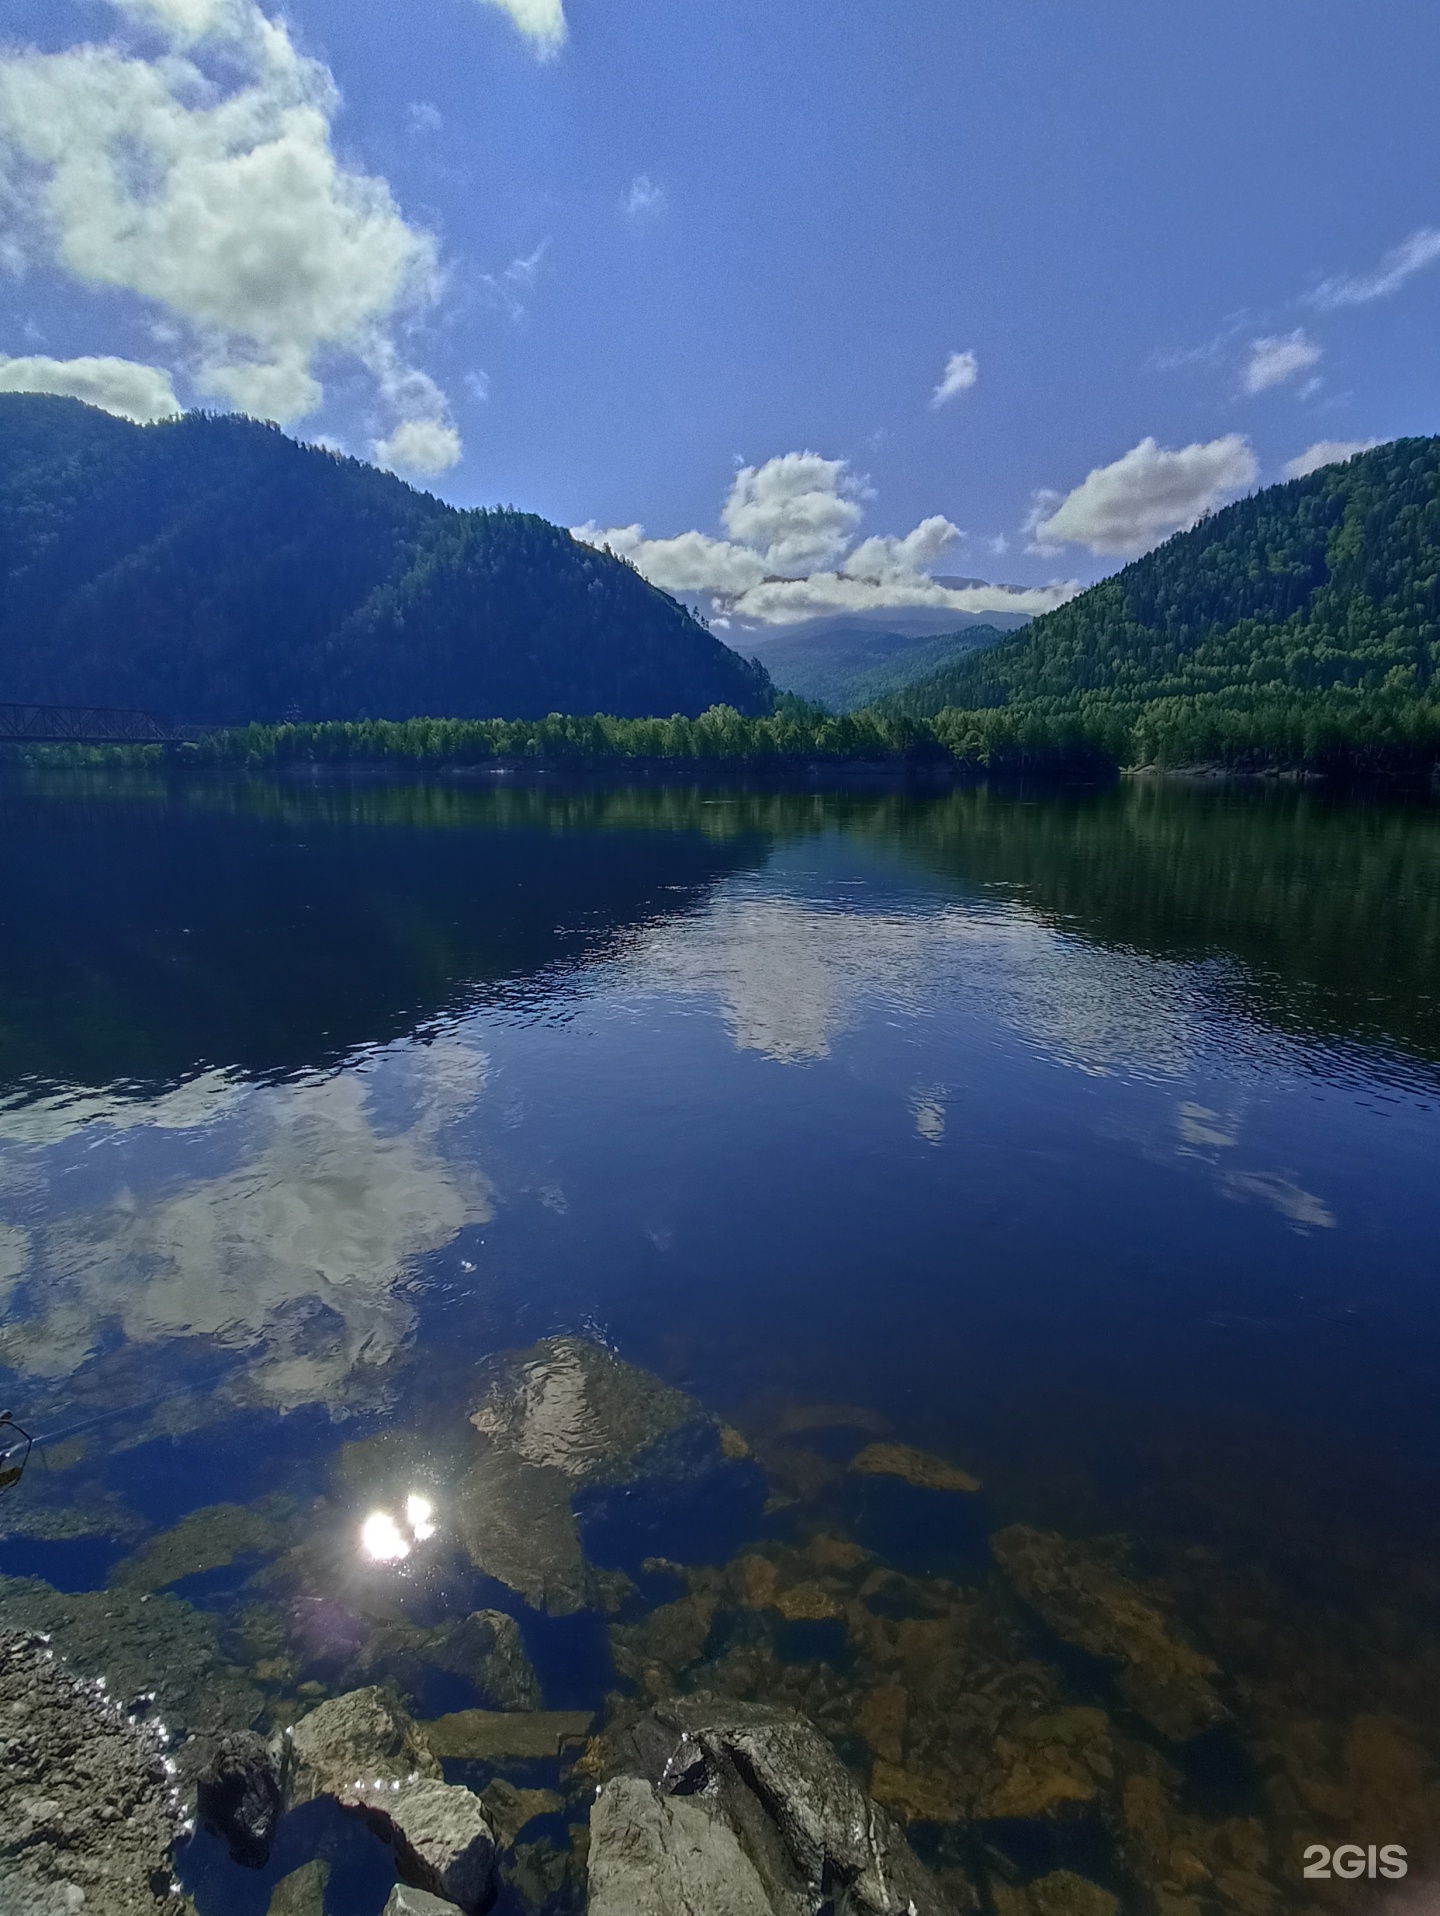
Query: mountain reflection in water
x: 1086, y: 1141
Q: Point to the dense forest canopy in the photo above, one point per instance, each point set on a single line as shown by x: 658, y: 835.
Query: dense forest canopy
x: 1311, y: 607
x: 211, y: 569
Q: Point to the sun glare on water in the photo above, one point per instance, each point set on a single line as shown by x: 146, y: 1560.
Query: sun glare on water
x: 384, y: 1540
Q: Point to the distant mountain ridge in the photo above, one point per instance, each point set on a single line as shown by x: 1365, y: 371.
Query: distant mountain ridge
x: 857, y: 664
x: 1324, y: 588
x: 212, y: 569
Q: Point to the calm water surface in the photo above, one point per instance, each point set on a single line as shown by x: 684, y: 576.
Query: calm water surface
x: 1090, y: 1142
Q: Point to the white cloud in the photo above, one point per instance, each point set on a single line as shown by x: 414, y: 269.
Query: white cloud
x: 425, y: 117
x: 420, y: 446
x: 121, y: 386
x: 792, y: 553
x: 1127, y: 507
x: 644, y: 197
x: 541, y: 21
x: 961, y: 372
x: 1326, y: 452
x: 799, y: 510
x: 1401, y: 263
x: 203, y: 180
x: 1273, y: 361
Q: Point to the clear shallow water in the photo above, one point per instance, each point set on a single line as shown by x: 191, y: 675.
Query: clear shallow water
x: 1089, y: 1142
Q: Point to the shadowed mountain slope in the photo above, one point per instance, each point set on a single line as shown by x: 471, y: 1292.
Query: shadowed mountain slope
x: 212, y: 569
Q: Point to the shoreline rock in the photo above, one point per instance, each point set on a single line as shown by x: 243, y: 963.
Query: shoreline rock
x: 88, y: 1810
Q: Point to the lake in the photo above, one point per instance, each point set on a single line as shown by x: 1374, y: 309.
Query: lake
x: 1055, y: 1168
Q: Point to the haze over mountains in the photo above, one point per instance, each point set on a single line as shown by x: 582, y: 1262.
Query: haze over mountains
x: 211, y: 569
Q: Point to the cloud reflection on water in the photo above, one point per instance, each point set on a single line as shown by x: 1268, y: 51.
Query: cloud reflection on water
x: 291, y: 1257
x: 792, y: 976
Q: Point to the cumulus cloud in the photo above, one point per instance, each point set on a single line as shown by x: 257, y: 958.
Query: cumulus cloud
x: 203, y: 180
x: 800, y: 510
x: 541, y: 21
x: 121, y: 386
x: 644, y: 197
x: 1129, y: 506
x: 1326, y: 452
x: 1401, y: 263
x: 792, y: 553
x: 424, y: 447
x: 1273, y: 361
x: 961, y: 372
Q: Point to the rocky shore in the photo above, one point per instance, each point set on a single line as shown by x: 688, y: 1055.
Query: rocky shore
x: 805, y: 1726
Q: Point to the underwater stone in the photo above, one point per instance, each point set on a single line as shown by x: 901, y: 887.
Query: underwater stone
x: 480, y: 1735
x: 919, y: 1467
x: 302, y: 1892
x: 1092, y: 1606
x: 1050, y: 1765
x: 515, y: 1522
x: 1061, y: 1893
x: 487, y: 1647
x: 87, y: 1810
x: 238, y: 1795
x: 560, y: 1416
x: 573, y: 1406
x: 408, y: 1901
x: 509, y: 1809
x: 207, y: 1539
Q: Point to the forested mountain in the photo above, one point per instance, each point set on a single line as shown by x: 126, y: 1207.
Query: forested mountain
x: 1319, y: 597
x: 847, y: 666
x: 212, y: 569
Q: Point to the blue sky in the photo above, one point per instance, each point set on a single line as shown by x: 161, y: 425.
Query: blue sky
x: 626, y: 264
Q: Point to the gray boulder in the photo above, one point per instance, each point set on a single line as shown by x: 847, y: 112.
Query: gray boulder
x: 763, y: 1783
x: 364, y: 1751
x: 658, y: 1855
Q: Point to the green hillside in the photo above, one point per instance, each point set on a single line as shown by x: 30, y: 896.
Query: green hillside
x: 846, y: 667
x: 1302, y: 622
x: 211, y: 569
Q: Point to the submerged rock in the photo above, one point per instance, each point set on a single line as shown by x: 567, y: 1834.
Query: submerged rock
x: 509, y: 1809
x: 488, y: 1649
x: 365, y: 1752
x: 552, y: 1419
x: 749, y: 1802
x: 87, y: 1809
x: 1091, y: 1605
x: 481, y: 1736
x: 919, y: 1467
x: 238, y: 1795
x: 573, y: 1406
x: 207, y: 1539
x: 407, y: 1901
x: 1061, y: 1893
x: 302, y: 1892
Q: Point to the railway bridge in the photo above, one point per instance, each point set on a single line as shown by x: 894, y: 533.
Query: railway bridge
x: 91, y: 725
